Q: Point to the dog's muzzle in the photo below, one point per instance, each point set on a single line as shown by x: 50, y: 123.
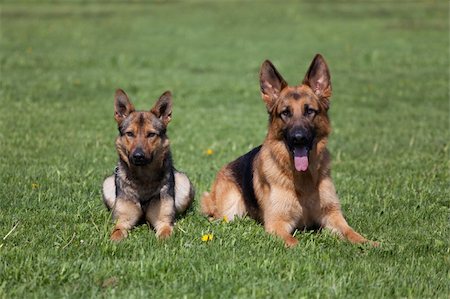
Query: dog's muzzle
x: 138, y: 158
x: 300, y: 143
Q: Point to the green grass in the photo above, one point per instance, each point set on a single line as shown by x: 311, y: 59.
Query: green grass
x: 60, y: 65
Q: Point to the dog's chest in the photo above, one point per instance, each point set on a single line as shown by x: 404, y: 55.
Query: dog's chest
x: 140, y: 192
x: 309, y: 210
x: 149, y: 194
x: 308, y: 203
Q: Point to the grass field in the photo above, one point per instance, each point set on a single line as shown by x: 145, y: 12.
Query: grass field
x: 60, y: 66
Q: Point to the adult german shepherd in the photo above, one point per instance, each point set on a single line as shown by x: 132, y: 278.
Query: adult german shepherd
x: 285, y: 183
x: 145, y: 185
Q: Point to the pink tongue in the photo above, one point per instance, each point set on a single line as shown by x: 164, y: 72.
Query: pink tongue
x: 301, y: 159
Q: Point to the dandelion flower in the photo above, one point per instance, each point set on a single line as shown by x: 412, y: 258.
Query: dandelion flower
x: 209, y: 152
x: 34, y: 186
x: 225, y: 219
x: 207, y: 237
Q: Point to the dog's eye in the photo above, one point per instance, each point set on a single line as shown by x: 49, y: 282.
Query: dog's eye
x: 285, y: 113
x: 309, y: 111
x: 151, y: 135
x: 129, y: 134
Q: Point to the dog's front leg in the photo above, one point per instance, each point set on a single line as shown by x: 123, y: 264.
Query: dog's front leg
x: 336, y: 222
x: 160, y: 214
x: 127, y: 214
x: 281, y: 228
x: 332, y: 217
x: 281, y: 215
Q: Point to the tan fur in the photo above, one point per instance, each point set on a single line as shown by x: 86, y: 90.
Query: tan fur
x: 231, y: 203
x: 184, y: 192
x: 160, y: 214
x: 109, y: 192
x: 287, y: 199
x: 127, y: 214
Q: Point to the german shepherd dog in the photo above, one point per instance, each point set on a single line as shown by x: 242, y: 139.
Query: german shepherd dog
x: 285, y: 183
x: 145, y: 185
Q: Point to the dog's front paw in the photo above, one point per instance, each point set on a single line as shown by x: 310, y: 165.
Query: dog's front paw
x: 374, y: 243
x: 164, y: 232
x: 118, y: 235
x: 290, y: 241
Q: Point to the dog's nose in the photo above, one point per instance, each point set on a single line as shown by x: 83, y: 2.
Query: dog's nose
x: 139, y: 158
x: 299, y: 138
x: 138, y: 155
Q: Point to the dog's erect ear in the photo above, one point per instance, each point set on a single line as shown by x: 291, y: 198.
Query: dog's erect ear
x: 271, y: 84
x: 318, y: 77
x: 163, y: 107
x: 122, y: 106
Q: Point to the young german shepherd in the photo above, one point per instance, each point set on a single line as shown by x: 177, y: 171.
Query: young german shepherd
x: 145, y: 185
x: 285, y: 183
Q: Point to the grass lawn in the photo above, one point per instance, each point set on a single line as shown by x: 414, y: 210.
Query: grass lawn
x: 60, y: 65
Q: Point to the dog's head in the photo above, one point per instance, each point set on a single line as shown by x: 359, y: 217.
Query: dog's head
x: 142, y: 134
x: 298, y: 114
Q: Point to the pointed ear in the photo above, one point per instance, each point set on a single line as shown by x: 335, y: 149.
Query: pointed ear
x: 163, y: 107
x: 318, y: 77
x: 271, y: 84
x: 122, y: 106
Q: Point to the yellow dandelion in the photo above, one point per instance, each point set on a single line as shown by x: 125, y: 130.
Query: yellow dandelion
x: 209, y: 152
x: 34, y: 186
x: 225, y: 219
x: 207, y: 237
